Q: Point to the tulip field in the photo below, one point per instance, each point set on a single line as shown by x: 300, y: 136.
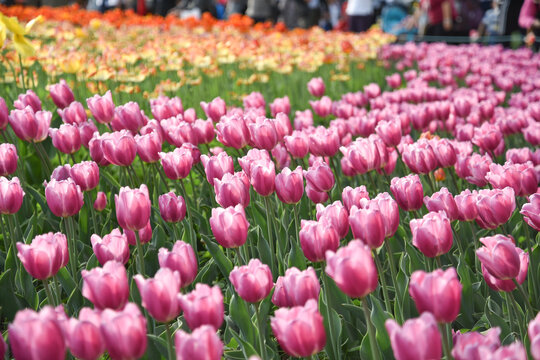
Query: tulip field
x: 203, y: 189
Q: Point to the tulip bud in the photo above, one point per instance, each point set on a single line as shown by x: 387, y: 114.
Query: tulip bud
x: 229, y: 226
x: 215, y: 109
x: 159, y: 294
x: 253, y: 282
x: 408, y: 192
x: 322, y: 107
x: 112, y: 247
x: 106, y: 287
x: 203, y: 306
x: 204, y: 131
x: 320, y: 177
x: 406, y: 343
x: 508, y: 285
x: 202, y: 344
x: 149, y: 146
x: 500, y: 257
x: 28, y: 99
x: 316, y: 87
x: 101, y: 201
x: 232, y: 131
x: 263, y: 133
x: 124, y: 332
x: 432, y: 234
x: 297, y: 144
x: 128, y: 117
x: 171, y: 207
x: 177, y: 164
x: 280, y: 105
x: 145, y: 235
x: 86, y: 131
x: 182, y: 259
x: 389, y: 210
x: 263, y: 175
x: 466, y: 205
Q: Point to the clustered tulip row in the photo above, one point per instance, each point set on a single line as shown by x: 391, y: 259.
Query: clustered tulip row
x: 194, y: 273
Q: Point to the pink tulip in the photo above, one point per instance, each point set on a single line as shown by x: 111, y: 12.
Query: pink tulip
x: 202, y: 344
x: 473, y: 168
x: 352, y: 196
x: 119, y: 148
x: 30, y: 126
x: 516, y: 351
x: 86, y: 131
x: 182, y: 259
x: 253, y: 282
x: 519, y: 156
x: 406, y: 343
x: 353, y: 269
x: 337, y: 215
x: 215, y: 109
x: 159, y: 294
x: 419, y: 157
x: 62, y: 172
x: 442, y: 201
x: 66, y: 138
x: 35, y: 335
x: 112, y: 247
x: 164, y: 108
x: 263, y: 176
x: 389, y: 132
x: 281, y: 156
x: 149, y: 146
x: 372, y: 90
x: 177, y: 164
x: 531, y: 133
x: 145, y: 235
x: 389, y: 210
x: 322, y: 107
x: 106, y: 287
x: 394, y: 81
x: 466, y: 205
x: 520, y: 177
x: 11, y: 195
x: 124, y: 332
x: 408, y: 192
x: 232, y: 189
x: 203, y: 306
x: 204, y: 131
x: 263, y: 133
x: 303, y: 120
x: 320, y: 177
x: 178, y: 132
x: 316, y: 237
x: 472, y: 345
x: 367, y: 225
x: 86, y: 175
x: 64, y: 197
x: 324, y: 142
x: 129, y: 117
x: 8, y: 159
x: 101, y: 201
x: 73, y: 114
x: 488, y: 137
x: 101, y: 107
x: 253, y: 156
x: 508, y: 285
x: 495, y: 207
x: 132, y: 208
x: 317, y: 197
x: 531, y: 211
x: 280, y: 105
x: 28, y: 99
x: 296, y: 287
x: 232, y: 131
x: 290, y: 185
x: 216, y: 166
x: 432, y: 234
x: 95, y: 147
x: 4, y: 114
x: 254, y: 100
x: 83, y: 335
x: 316, y: 87
x: 282, y: 125
x: 45, y: 256
x: 500, y: 257
x: 172, y: 207
x: 438, y: 292
x: 297, y: 144
x: 363, y: 155
x: 229, y: 226
x: 534, y: 337
x: 3, y: 347
x: 61, y: 94
x: 299, y: 330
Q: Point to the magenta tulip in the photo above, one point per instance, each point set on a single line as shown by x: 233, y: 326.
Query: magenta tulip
x: 253, y: 282
x: 101, y: 201
x: 253, y: 156
x: 520, y: 177
x: 508, y: 285
x: 106, y: 287
x: 280, y: 105
x: 149, y: 146
x: 11, y: 195
x: 320, y: 177
x: 534, y: 337
x: 389, y: 132
x: 495, y: 207
x: 232, y: 131
x: 337, y: 215
x: 4, y: 114
x: 83, y: 335
x: 217, y: 166
x: 500, y: 257
x: 432, y: 234
x: 182, y: 259
x: 112, y: 247
x: 297, y: 144
x: 124, y: 332
x: 172, y: 207
x: 290, y: 185
x: 317, y: 197
x: 324, y: 142
x: 8, y: 159
x: 61, y: 94
x: 352, y: 196
x: 229, y: 226
x: 30, y: 99
x: 203, y: 306
x: 389, y: 210
x: 177, y: 164
x: 66, y: 138
x: 263, y: 134
x: 132, y: 208
x: 442, y: 201
x: 215, y: 109
x: 322, y: 107
x: 531, y: 211
x: 64, y: 197
x: 145, y: 235
x: 204, y: 131
x: 85, y: 174
x: 159, y: 294
x: 263, y: 177
x: 73, y: 114
x: 466, y: 205
x: 316, y: 87
x: 232, y: 189
x: 95, y: 147
x: 101, y: 107
x: 296, y: 287
x: 368, y: 225
x: 317, y: 237
x: 29, y: 125
x: 129, y: 117
x: 202, y: 344
x: 472, y: 345
x: 119, y: 148
x: 45, y: 256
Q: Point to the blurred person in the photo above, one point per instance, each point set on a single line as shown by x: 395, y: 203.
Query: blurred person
x: 529, y: 17
x: 433, y: 18
x: 295, y: 14
x: 489, y: 26
x: 508, y: 18
x: 259, y: 10
x: 314, y: 12
x: 235, y: 7
x: 193, y: 8
x: 361, y: 15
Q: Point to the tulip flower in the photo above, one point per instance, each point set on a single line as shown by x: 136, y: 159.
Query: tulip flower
x: 299, y: 330
x: 132, y: 208
x: 432, y: 234
x: 495, y: 207
x: 442, y: 201
x: 352, y: 196
x: 520, y: 177
x: 202, y: 344
x: 83, y: 335
x: 181, y: 259
x: 124, y: 332
x: 500, y: 257
x: 128, y: 117
x: 112, y: 247
x: 508, y: 285
x: 296, y: 287
x: 73, y: 114
x: 203, y: 306
x: 473, y: 168
x: 353, y: 269
x: 316, y: 237
x: 11, y: 195
x: 317, y: 197
x: 86, y: 131
x: 281, y: 156
x: 290, y: 185
x: 322, y: 107
x: 66, y: 139
x: 119, y: 148
x: 389, y: 132
x: 229, y: 226
x: 215, y: 109
x: 531, y: 211
x: 534, y: 337
x: 106, y: 287
x: 8, y: 159
x: 316, y: 87
x: 368, y: 225
x: 408, y: 192
x: 324, y: 142
x: 30, y: 99
x: 253, y: 282
x: 297, y: 144
x: 34, y: 335
x: 389, y: 210
x: 171, y: 207
x: 263, y: 176
x: 64, y: 197
x: 101, y: 107
x: 472, y: 345
x: 145, y: 235
x: 204, y: 131
x: 61, y: 94
x: 232, y: 189
x: 419, y: 157
x: 149, y: 146
x: 95, y: 147
x: 445, y: 152
x: 303, y: 120
x: 337, y: 215
x: 320, y: 177
x: 101, y: 201
x: 29, y: 125
x: 85, y: 175
x: 217, y: 166
x: 232, y: 131
x: 45, y: 256
x: 466, y: 205
x: 3, y: 347
x: 280, y: 105
x: 489, y: 138
x: 4, y: 114
x: 177, y: 164
x: 263, y: 134
x: 406, y: 343
x: 159, y: 294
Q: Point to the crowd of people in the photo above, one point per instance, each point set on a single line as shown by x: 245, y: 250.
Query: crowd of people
x: 409, y: 19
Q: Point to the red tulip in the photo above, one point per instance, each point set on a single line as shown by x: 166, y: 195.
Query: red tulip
x: 495, y: 207
x: 253, y: 282
x: 8, y: 159
x: 172, y: 207
x: 45, y: 256
x: 438, y: 292
x: 61, y: 94
x: 182, y: 259
x: 368, y: 225
x: 472, y: 345
x: 124, y: 332
x: 353, y: 269
x: 177, y: 164
x: 73, y: 114
x: 408, y: 192
x: 417, y: 339
x: 11, y: 195
x: 316, y: 87
x: 64, y: 197
x: 132, y: 208
x: 229, y: 226
x: 159, y: 294
x: 296, y: 287
x: 316, y: 237
x: 35, y: 335
x: 101, y: 107
x: 442, y: 201
x: 101, y: 201
x: 83, y: 335
x: 232, y: 189
x: 203, y: 306
x: 290, y: 185
x: 149, y: 146
x: 106, y: 287
x: 112, y: 247
x: 29, y: 125
x: 86, y: 175
x: 217, y: 166
x: 118, y: 147
x: 299, y: 330
x: 28, y: 99
x: 202, y: 344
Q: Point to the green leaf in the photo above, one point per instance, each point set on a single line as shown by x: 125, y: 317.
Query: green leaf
x: 247, y: 348
x: 378, y: 318
x: 9, y: 303
x: 296, y: 256
x: 160, y: 345
x: 467, y: 295
x: 239, y: 312
x: 223, y: 262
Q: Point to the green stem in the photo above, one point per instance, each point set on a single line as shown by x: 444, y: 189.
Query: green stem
x: 394, y: 279
x: 327, y: 308
x: 438, y: 261
x: 533, y: 278
x: 131, y: 180
x: 261, y: 326
x: 50, y: 298
x: 72, y: 248
x: 387, y: 303
x: 334, y: 165
x: 444, y: 337
x: 451, y: 171
x: 510, y: 313
x: 526, y: 298
x: 193, y: 237
x: 458, y: 242
x: 241, y: 261
x: 140, y: 255
x: 22, y: 73
x: 91, y: 209
x: 43, y: 158
x: 269, y: 219
x: 296, y: 221
x: 57, y: 290
x: 371, y: 331
x: 169, y: 341
x: 516, y: 307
